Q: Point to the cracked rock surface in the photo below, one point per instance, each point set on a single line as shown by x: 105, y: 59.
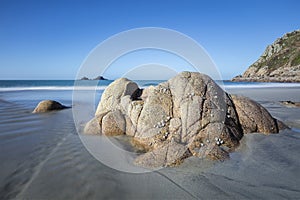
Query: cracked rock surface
x: 189, y: 115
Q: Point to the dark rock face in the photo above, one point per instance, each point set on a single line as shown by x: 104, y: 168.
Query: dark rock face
x: 280, y: 62
x: 189, y: 115
x: 84, y: 78
x: 99, y: 78
x: 47, y: 106
x: 290, y: 103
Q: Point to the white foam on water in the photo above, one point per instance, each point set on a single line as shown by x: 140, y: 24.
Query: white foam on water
x: 225, y: 85
x: 6, y: 89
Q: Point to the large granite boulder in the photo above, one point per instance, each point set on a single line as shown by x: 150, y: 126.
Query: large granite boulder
x: 189, y: 115
x: 48, y: 105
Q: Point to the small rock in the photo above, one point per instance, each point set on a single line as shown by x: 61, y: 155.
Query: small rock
x: 47, y: 106
x: 290, y: 103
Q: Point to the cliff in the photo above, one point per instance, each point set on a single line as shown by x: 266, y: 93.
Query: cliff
x: 280, y: 62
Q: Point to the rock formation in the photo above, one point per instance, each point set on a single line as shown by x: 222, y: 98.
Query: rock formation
x: 84, y: 78
x: 290, y: 104
x: 48, y: 105
x: 97, y: 78
x: 189, y: 115
x: 280, y: 62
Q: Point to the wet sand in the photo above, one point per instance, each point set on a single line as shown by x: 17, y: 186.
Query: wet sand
x: 42, y: 157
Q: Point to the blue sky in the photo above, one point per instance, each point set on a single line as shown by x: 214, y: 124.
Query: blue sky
x: 50, y: 39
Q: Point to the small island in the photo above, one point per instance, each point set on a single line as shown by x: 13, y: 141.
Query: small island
x: 84, y: 78
x: 97, y: 78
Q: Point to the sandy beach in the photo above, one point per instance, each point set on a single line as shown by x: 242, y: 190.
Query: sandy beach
x: 43, y: 158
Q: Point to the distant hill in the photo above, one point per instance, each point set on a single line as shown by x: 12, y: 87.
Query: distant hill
x: 280, y: 62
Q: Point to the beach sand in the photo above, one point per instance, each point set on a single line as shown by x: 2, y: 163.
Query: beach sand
x: 42, y: 157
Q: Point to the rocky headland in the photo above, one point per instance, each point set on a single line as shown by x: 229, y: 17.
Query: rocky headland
x: 280, y: 62
x: 189, y: 115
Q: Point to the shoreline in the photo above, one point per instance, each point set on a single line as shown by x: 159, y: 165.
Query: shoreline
x: 266, y: 80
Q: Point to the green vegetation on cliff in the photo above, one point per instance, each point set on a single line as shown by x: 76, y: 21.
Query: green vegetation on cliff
x: 280, y: 62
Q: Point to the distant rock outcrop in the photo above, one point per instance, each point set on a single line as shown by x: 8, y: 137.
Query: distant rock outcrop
x: 280, y: 62
x: 84, y: 78
x: 48, y: 105
x: 189, y: 115
x: 97, y: 78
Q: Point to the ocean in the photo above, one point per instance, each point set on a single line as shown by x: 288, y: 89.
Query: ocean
x: 17, y: 85
x: 42, y: 156
x: 29, y: 92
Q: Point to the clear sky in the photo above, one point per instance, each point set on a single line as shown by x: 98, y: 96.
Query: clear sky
x: 49, y: 39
